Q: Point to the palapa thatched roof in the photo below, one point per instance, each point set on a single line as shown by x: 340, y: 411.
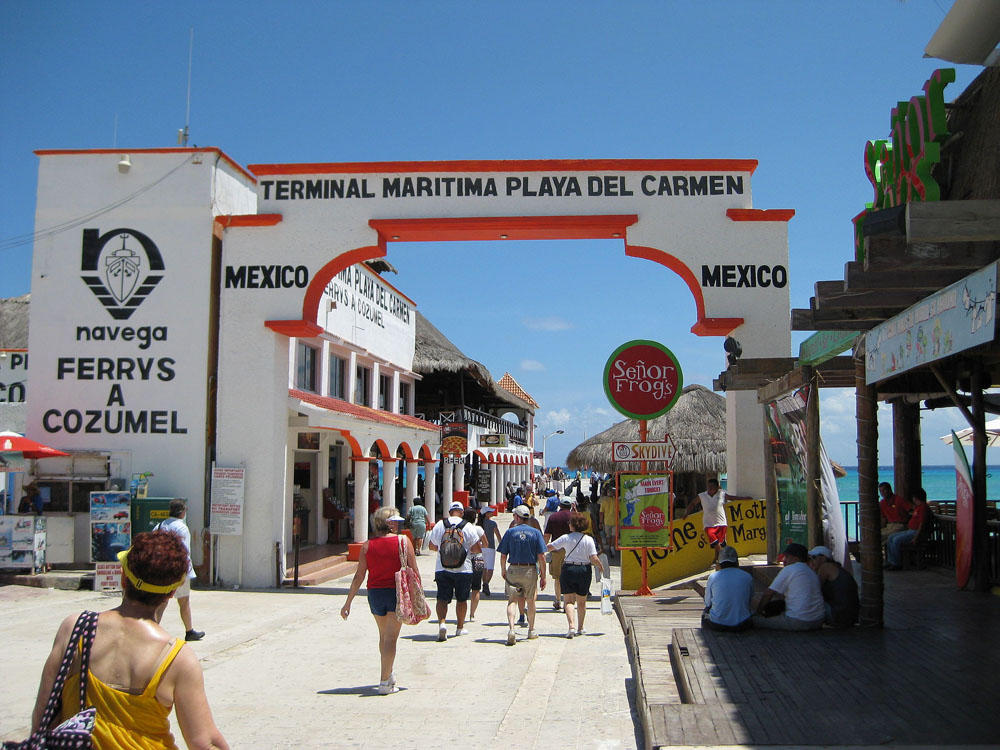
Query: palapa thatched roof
x: 696, y: 425
x: 14, y: 322
x: 434, y: 353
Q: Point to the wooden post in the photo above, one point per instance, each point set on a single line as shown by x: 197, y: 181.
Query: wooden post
x: 906, y: 447
x: 770, y: 495
x: 814, y: 504
x: 868, y: 512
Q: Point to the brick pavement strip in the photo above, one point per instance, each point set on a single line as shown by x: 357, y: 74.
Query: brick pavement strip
x: 283, y: 670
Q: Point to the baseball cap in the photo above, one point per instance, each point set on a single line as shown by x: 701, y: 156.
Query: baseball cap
x: 398, y: 518
x: 522, y: 511
x: 565, y: 501
x: 821, y: 550
x: 797, y: 550
x: 456, y: 506
x: 549, y: 492
x: 729, y: 554
x: 486, y: 509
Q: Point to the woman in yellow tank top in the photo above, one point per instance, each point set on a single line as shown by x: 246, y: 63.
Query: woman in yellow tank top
x: 138, y: 673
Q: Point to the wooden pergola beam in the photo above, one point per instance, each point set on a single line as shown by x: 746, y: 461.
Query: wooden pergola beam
x: 856, y: 278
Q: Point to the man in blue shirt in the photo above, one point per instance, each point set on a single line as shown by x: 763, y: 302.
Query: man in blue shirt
x: 727, y: 595
x: 525, y: 547
x: 551, y: 501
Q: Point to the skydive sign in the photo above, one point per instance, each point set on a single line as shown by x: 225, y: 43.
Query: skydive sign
x: 643, y: 379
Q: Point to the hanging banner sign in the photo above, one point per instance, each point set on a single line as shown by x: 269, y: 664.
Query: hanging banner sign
x: 952, y: 320
x: 963, y: 514
x: 644, y: 510
x: 643, y: 379
x: 663, y: 451
x: 493, y: 440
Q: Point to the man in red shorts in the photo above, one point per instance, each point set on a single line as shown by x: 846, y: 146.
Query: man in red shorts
x: 712, y: 503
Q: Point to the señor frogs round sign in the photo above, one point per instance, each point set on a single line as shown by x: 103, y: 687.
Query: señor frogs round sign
x: 643, y: 379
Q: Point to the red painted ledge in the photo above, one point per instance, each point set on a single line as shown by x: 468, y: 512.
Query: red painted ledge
x: 248, y: 220
x: 760, y: 214
x: 302, y: 329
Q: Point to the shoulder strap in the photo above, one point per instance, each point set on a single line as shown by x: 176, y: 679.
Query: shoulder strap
x: 82, y: 637
x: 154, y: 681
x: 460, y: 525
x: 402, y: 552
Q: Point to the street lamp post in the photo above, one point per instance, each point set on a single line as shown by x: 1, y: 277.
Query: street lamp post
x: 545, y: 456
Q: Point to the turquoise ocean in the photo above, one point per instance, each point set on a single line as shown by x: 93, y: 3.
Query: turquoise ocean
x: 939, y: 481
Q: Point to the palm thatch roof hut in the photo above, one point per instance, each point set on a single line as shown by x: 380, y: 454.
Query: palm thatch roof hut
x: 697, y: 427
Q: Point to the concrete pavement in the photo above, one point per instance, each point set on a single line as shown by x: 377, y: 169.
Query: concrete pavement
x: 283, y: 670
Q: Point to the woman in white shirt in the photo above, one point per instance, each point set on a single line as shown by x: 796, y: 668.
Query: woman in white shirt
x: 576, y: 575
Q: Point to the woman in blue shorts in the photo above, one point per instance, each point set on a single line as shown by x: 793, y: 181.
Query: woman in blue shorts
x: 379, y: 558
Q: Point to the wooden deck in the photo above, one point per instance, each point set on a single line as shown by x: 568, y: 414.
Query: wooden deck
x: 930, y: 677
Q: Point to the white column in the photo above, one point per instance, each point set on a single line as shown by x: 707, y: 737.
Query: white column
x: 360, y: 500
x: 447, y: 482
x: 352, y: 377
x: 496, y: 491
x: 460, y: 474
x: 388, y: 482
x: 394, y: 393
x: 411, y: 483
x: 430, y: 490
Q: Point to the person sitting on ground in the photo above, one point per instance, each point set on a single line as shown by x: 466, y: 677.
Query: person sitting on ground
x: 728, y: 594
x: 916, y: 526
x: 797, y: 587
x: 840, y: 590
x: 138, y: 672
x: 894, y: 509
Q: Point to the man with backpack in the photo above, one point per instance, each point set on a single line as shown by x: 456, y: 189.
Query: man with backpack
x: 455, y: 541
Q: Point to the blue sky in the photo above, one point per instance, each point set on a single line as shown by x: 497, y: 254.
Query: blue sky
x: 799, y: 86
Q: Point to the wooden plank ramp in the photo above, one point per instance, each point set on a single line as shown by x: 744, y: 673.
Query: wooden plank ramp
x: 930, y: 677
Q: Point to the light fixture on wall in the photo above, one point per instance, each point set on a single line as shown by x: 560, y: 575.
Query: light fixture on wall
x: 124, y: 165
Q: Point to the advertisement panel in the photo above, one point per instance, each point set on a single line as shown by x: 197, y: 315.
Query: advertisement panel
x: 227, y: 500
x: 110, y: 525
x: 645, y: 510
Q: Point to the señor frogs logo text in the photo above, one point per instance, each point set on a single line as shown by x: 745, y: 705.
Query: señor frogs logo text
x: 642, y: 379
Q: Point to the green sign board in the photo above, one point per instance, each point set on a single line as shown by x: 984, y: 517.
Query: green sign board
x: 644, y: 510
x: 825, y: 345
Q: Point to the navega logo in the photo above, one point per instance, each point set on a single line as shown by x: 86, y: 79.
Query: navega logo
x: 120, y: 273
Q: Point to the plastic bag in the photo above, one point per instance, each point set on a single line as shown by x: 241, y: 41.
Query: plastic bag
x: 606, y: 608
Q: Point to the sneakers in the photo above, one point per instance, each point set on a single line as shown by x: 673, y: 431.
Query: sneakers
x: 194, y: 635
x: 532, y: 635
x: 463, y: 631
x: 511, y: 637
x: 570, y: 633
x: 387, y: 688
x: 442, y: 633
x: 581, y: 631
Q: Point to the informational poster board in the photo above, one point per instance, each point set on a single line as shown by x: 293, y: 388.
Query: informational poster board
x: 644, y: 510
x: 107, y: 576
x: 110, y: 525
x: 227, y: 501
x: 22, y: 542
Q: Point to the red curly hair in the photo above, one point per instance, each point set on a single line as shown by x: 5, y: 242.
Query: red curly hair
x: 158, y: 557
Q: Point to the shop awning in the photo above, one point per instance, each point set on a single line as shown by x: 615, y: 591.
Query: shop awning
x: 363, y: 413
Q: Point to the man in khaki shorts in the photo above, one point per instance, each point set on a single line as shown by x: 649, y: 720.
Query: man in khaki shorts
x: 524, y: 545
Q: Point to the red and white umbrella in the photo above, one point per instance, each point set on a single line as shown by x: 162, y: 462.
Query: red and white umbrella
x: 12, y: 442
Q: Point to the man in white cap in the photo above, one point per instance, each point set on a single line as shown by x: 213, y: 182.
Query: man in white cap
x: 454, y: 540
x: 728, y: 594
x: 525, y: 547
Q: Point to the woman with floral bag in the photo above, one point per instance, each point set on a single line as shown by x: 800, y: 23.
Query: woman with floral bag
x: 380, y: 559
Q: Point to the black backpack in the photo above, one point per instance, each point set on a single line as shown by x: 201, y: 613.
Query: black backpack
x: 452, y: 548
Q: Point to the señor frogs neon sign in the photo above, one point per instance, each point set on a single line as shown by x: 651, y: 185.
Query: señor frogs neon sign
x: 899, y: 168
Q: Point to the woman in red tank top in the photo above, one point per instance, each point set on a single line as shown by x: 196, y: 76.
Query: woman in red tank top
x: 379, y: 559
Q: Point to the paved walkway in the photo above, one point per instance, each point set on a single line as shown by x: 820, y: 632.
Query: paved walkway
x: 283, y: 670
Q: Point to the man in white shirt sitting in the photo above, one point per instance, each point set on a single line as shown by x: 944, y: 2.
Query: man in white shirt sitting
x: 798, y: 586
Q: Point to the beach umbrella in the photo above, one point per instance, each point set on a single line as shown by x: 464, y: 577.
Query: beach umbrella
x: 965, y: 436
x: 12, y: 442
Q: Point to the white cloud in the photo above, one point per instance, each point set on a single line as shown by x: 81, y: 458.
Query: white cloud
x: 532, y: 365
x: 551, y: 323
x: 557, y: 418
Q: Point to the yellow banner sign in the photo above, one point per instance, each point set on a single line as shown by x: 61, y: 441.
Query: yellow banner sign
x: 691, y: 553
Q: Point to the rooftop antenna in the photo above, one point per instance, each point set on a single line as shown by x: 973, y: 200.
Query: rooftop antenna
x: 182, y: 134
x: 114, y: 138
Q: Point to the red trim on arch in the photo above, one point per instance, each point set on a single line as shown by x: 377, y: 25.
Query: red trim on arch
x: 248, y: 220
x: 314, y: 292
x: 519, y: 165
x: 760, y: 214
x: 705, y: 326
x: 407, y: 452
x: 302, y: 329
x: 426, y: 455
x: 482, y: 456
x: 503, y: 228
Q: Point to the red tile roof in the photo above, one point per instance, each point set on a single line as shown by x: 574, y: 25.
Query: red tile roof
x: 508, y: 383
x: 363, y: 412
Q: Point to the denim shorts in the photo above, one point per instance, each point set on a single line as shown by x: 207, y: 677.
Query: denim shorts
x: 382, y: 601
x: 451, y: 584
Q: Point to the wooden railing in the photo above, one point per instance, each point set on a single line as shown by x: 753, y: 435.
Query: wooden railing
x: 518, y: 433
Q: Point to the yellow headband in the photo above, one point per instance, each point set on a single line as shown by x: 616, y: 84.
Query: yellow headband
x: 152, y: 588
